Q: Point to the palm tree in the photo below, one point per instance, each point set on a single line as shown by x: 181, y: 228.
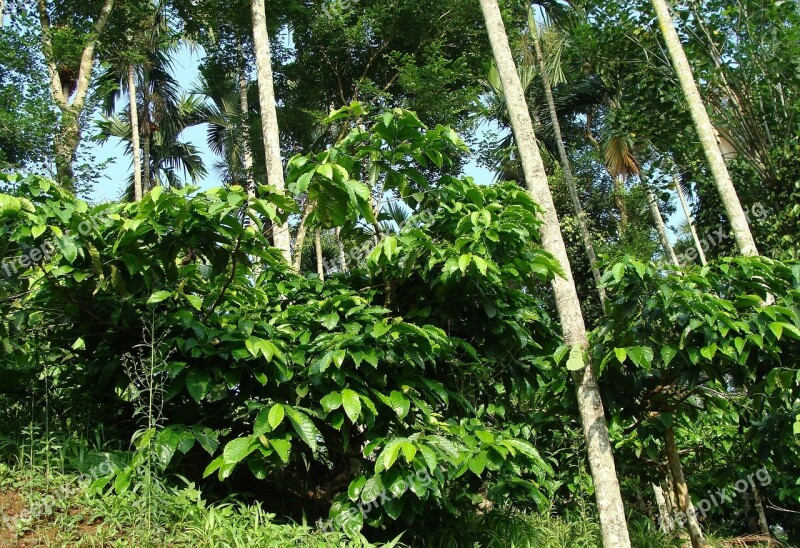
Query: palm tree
x: 269, y: 118
x: 595, y: 430
x: 689, y: 221
x: 705, y: 130
x: 566, y: 168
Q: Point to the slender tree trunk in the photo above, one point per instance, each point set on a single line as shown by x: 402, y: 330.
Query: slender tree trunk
x: 147, y: 183
x: 619, y: 201
x: 301, y: 238
x: 68, y: 135
x: 247, y: 155
x: 663, y: 509
x: 687, y: 213
x: 269, y: 118
x: 705, y: 130
x: 601, y: 460
x: 342, y: 256
x: 762, y: 517
x: 2, y: 13
x: 682, y: 491
x: 135, y: 144
x: 567, y: 169
x: 320, y: 258
x: 672, y: 502
x: 658, y: 221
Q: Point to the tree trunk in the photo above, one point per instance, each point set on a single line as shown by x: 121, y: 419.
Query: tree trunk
x: 301, y: 238
x: 320, y: 258
x: 2, y: 13
x: 658, y: 221
x: 619, y: 201
x: 147, y: 183
x: 135, y: 145
x: 567, y: 169
x: 247, y: 155
x: 342, y: 256
x: 687, y: 213
x: 705, y: 130
x: 269, y: 119
x: 682, y: 491
x: 595, y: 430
x: 663, y: 509
x: 68, y: 136
x: 762, y: 517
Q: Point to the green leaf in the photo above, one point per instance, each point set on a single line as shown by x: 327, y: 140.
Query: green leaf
x: 331, y: 402
x: 198, y: 383
x: 777, y: 329
x: 282, y: 447
x: 575, y: 361
x: 195, y: 301
x: 390, y: 453
x: 619, y: 271
x: 622, y: 355
x: 389, y: 247
x: 352, y: 404
x: 261, y: 426
x: 68, y: 248
x: 668, y: 353
x: 329, y: 321
x: 275, y: 416
x: 481, y: 264
x: 158, y: 297
x: 372, y: 489
x: 237, y: 450
x: 463, y: 262
x: 304, y: 427
x: 400, y: 404
x: 642, y: 356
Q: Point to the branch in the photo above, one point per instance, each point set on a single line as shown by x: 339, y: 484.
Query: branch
x: 47, y: 51
x: 234, y: 263
x: 87, y: 58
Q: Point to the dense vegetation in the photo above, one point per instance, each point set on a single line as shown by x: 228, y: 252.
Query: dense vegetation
x: 346, y: 338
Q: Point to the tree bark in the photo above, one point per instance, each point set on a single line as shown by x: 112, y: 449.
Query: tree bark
x: 687, y: 213
x: 2, y: 13
x: 601, y: 460
x: 762, y: 517
x: 247, y: 155
x: 658, y: 221
x: 301, y: 238
x: 682, y: 491
x: 342, y: 256
x: 705, y: 130
x: 619, y: 201
x: 663, y: 509
x: 147, y: 175
x: 269, y: 119
x: 68, y: 134
x: 320, y: 258
x: 567, y: 169
x: 135, y: 144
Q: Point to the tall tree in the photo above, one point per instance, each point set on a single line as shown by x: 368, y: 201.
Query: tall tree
x: 135, y: 144
x: 705, y: 130
x: 269, y: 119
x: 68, y: 88
x: 566, y: 168
x: 595, y: 430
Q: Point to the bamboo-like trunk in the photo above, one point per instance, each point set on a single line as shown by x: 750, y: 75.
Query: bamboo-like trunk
x: 595, y: 430
x: 688, y: 214
x: 269, y: 119
x: 301, y: 238
x: 567, y: 170
x: 663, y: 509
x: 247, y: 155
x: 762, y: 517
x: 342, y: 255
x: 320, y: 258
x: 682, y: 491
x: 147, y: 183
x: 658, y: 221
x: 705, y: 130
x: 135, y: 143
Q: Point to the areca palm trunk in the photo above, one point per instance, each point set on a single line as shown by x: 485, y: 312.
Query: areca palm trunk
x: 705, y: 130
x: 147, y: 183
x: 269, y: 119
x: 320, y: 257
x: 595, y: 430
x: 135, y: 144
x: 247, y: 155
x: 687, y: 213
x: 682, y: 491
x: 658, y: 221
x: 567, y: 169
x: 342, y: 256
